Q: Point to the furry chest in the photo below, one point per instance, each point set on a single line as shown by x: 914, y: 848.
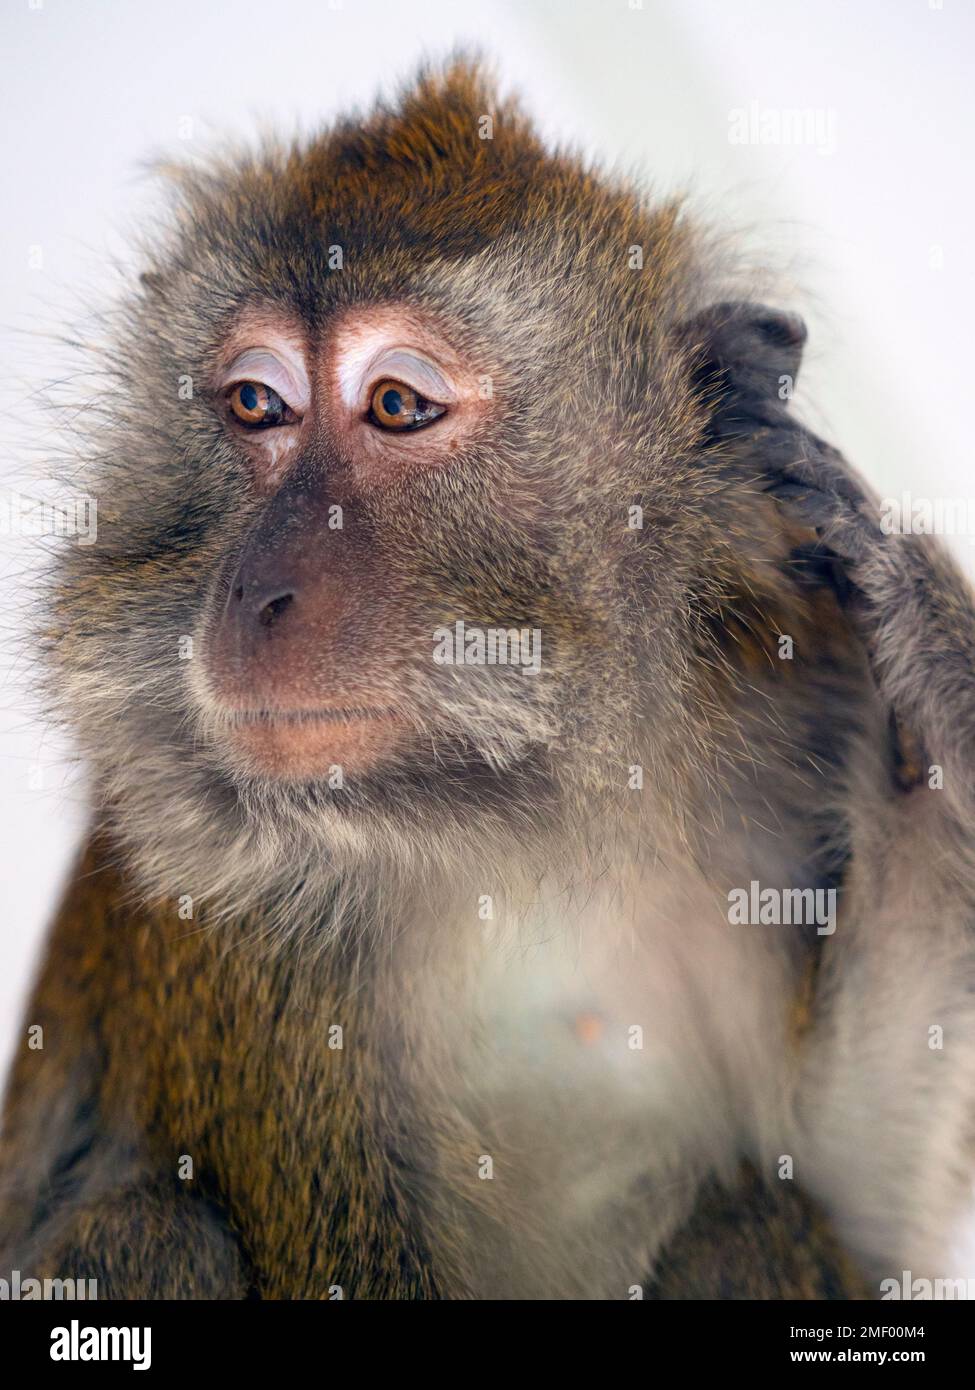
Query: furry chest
x: 580, y: 1085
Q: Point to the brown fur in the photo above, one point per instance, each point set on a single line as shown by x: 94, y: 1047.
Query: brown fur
x: 173, y: 1013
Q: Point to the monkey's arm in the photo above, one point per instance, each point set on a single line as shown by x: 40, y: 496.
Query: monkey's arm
x: 888, y: 1105
x: 79, y: 1196
x: 902, y: 594
x: 885, y: 1100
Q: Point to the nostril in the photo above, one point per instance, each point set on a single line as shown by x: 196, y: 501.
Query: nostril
x: 273, y: 609
x: 239, y: 592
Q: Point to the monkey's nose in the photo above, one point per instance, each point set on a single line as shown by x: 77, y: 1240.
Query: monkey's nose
x: 273, y: 609
x: 259, y: 603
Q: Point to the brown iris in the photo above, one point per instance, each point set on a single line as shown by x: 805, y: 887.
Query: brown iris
x: 396, y: 406
x: 257, y: 406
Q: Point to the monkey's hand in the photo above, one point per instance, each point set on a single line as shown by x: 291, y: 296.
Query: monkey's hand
x: 904, y: 595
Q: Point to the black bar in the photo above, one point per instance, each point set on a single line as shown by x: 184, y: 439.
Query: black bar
x: 306, y: 1340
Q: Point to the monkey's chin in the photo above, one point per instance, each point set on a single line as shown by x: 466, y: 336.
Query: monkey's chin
x: 308, y: 745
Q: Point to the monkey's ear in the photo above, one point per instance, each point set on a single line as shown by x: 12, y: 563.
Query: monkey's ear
x: 747, y: 360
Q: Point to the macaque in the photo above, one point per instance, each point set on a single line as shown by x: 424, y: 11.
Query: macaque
x: 532, y: 846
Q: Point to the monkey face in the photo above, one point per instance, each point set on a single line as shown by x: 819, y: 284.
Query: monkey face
x: 390, y: 623
x: 311, y: 647
x: 367, y: 579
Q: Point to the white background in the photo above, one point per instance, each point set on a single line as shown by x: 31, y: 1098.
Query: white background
x: 875, y: 237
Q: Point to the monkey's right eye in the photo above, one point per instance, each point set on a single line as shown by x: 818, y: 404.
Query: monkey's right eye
x: 258, y: 407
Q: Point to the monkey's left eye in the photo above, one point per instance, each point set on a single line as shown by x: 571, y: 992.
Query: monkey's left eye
x: 396, y: 406
x: 257, y: 407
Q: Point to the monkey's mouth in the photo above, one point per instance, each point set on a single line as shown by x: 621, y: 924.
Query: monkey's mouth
x: 304, y: 744
x: 310, y: 716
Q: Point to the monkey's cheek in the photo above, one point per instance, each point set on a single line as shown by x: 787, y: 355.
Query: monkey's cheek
x: 317, y: 748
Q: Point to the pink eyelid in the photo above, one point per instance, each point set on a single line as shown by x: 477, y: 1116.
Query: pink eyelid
x: 361, y: 369
x: 261, y: 365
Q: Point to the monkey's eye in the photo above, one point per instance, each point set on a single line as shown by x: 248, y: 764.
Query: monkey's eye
x: 396, y: 406
x: 257, y: 407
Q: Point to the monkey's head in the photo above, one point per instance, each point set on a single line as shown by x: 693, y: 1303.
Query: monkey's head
x: 407, y: 536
